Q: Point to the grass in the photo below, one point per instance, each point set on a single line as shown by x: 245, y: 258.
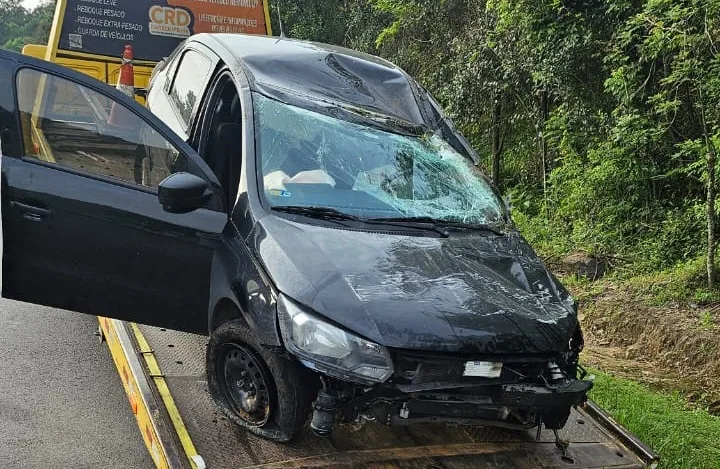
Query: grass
x: 683, y: 285
x: 684, y: 282
x: 684, y: 437
x: 706, y: 320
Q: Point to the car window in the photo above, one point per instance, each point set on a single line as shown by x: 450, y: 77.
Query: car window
x: 72, y: 126
x: 187, y: 87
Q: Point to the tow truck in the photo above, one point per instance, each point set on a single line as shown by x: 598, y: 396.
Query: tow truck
x: 163, y: 373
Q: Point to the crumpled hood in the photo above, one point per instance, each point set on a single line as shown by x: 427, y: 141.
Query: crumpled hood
x: 470, y: 294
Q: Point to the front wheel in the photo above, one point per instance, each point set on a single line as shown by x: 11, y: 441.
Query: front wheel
x: 261, y: 391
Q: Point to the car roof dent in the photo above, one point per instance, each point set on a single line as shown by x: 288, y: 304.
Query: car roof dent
x: 291, y: 70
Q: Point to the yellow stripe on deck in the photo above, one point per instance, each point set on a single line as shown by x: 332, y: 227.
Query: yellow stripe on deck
x: 122, y: 356
x: 153, y: 368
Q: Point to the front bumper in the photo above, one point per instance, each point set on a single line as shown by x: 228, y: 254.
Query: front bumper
x: 538, y: 398
x: 525, y: 393
x: 507, y: 405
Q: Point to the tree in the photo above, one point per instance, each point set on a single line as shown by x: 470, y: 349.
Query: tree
x: 20, y: 26
x: 666, y: 64
x: 317, y: 20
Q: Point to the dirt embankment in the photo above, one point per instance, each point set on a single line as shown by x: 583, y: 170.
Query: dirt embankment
x: 674, y: 346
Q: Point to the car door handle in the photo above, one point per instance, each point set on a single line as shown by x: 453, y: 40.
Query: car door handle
x: 31, y: 212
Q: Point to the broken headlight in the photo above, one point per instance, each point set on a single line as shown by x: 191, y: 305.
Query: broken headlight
x: 329, y: 349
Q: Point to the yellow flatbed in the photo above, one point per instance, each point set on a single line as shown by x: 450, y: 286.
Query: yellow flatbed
x: 185, y: 429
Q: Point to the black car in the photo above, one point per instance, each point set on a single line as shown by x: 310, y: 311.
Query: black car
x: 313, y: 211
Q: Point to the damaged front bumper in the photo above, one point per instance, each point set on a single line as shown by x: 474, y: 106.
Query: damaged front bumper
x: 518, y: 392
x: 517, y: 406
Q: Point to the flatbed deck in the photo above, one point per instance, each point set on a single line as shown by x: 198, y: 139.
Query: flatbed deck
x: 174, y: 365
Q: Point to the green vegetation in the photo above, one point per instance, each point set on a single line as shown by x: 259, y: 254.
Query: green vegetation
x: 684, y: 437
x: 19, y: 26
x: 682, y: 283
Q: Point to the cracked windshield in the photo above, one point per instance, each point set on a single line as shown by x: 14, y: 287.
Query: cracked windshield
x: 310, y: 159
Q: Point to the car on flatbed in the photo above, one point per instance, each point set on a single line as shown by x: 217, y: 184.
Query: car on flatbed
x: 313, y: 211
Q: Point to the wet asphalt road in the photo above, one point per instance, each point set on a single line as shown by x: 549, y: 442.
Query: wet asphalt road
x: 62, y: 404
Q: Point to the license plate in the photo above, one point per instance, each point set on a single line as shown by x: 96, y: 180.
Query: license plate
x: 483, y: 369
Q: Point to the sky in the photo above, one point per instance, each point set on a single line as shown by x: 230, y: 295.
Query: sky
x: 30, y: 4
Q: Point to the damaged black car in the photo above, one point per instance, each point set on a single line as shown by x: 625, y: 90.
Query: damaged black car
x: 399, y: 289
x: 313, y: 211
x: 402, y: 282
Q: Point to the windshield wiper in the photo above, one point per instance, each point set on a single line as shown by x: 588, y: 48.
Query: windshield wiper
x: 323, y: 213
x: 384, y: 122
x: 327, y: 213
x: 397, y: 125
x: 475, y: 227
x: 444, y: 224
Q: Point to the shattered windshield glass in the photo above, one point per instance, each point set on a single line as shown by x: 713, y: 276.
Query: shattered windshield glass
x: 309, y: 159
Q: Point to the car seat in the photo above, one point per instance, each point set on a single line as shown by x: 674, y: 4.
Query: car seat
x: 235, y: 160
x: 226, y: 157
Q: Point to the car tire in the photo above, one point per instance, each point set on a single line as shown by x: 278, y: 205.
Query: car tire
x: 276, y: 404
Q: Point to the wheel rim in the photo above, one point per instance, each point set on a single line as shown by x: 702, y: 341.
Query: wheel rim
x: 246, y: 384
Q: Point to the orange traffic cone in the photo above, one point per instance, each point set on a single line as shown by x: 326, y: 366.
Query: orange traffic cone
x: 126, y: 80
x: 119, y: 116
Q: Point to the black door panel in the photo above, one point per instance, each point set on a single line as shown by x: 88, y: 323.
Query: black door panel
x: 31, y: 212
x: 83, y: 228
x: 106, y: 249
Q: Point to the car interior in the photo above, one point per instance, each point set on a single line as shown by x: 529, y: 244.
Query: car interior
x: 222, y: 138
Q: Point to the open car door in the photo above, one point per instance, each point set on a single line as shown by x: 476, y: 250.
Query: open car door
x: 84, y: 170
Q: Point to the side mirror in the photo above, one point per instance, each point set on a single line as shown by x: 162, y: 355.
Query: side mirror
x: 183, y: 193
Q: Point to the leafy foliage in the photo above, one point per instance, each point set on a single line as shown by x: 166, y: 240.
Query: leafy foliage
x: 20, y: 26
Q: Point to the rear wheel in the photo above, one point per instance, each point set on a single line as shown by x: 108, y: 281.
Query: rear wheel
x: 261, y: 391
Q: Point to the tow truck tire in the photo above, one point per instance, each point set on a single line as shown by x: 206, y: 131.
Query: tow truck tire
x: 289, y: 391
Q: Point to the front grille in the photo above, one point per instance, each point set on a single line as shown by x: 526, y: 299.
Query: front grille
x: 415, y: 369
x: 429, y: 372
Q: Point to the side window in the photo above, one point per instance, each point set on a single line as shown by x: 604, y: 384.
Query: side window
x: 72, y: 126
x: 188, y: 84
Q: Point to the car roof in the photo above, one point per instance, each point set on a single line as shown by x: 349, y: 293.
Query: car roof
x: 279, y: 67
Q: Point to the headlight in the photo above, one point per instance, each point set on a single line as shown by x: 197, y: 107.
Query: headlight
x: 331, y: 349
